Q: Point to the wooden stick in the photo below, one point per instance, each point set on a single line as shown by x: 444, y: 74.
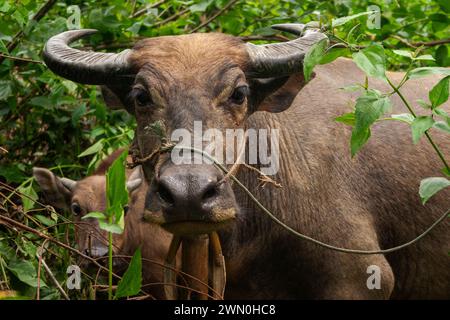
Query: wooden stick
x: 195, y: 262
x: 170, y: 276
x: 217, y: 273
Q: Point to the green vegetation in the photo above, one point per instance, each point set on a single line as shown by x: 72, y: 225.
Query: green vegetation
x: 51, y: 122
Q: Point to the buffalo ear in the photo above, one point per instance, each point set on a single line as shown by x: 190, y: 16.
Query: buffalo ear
x: 57, y: 191
x: 275, y: 94
x: 117, y: 97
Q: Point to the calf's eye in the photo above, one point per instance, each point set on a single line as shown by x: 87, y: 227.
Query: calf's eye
x: 125, y: 209
x: 239, y: 94
x: 76, y: 209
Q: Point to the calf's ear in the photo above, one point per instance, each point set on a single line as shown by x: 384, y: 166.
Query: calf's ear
x: 57, y: 191
x: 275, y: 94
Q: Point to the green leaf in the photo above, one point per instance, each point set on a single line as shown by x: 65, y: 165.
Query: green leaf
x: 358, y: 140
x: 446, y: 171
x: 77, y: 114
x: 200, y: 7
x: 441, y: 55
x: 372, y: 61
x: 423, y: 104
x: 96, y: 147
x: 353, y: 88
x: 117, y: 194
x: 343, y: 20
x: 333, y: 54
x: 403, y: 53
x: 430, y: 186
x: 427, y: 71
x: 426, y: 57
x: 313, y: 58
x: 439, y: 94
x: 442, y: 125
x: 28, y: 196
x: 131, y: 282
x: 347, y: 118
x: 405, y: 117
x: 44, y: 220
x: 419, y: 126
x: 25, y: 272
x: 369, y: 108
x: 95, y: 215
x: 5, y: 89
x: 110, y: 227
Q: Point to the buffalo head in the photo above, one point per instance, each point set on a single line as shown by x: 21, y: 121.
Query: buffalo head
x: 213, y: 79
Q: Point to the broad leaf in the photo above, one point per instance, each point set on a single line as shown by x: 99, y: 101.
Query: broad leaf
x: 403, y: 53
x: 369, y: 108
x: 117, y: 194
x: 347, y: 118
x: 110, y: 227
x: 333, y: 54
x: 442, y: 125
x: 25, y: 272
x: 439, y: 94
x: 419, y: 126
x: 95, y: 215
x: 405, y: 117
x: 426, y: 57
x: 343, y: 20
x: 313, y: 57
x: 427, y: 71
x: 96, y: 147
x: 372, y: 61
x: 28, y: 196
x: 131, y: 282
x: 430, y: 186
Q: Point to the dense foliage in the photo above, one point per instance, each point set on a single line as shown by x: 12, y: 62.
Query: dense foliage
x: 51, y: 122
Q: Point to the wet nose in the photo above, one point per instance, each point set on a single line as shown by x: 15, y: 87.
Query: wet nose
x: 185, y: 189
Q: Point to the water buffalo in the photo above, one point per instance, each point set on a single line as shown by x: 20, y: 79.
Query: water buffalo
x: 88, y: 195
x: 369, y: 202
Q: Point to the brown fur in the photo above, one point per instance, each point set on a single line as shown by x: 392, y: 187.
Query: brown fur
x: 369, y: 202
x: 90, y: 194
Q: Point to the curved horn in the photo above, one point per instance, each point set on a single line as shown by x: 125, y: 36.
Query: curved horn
x: 68, y: 183
x: 281, y: 59
x: 83, y: 66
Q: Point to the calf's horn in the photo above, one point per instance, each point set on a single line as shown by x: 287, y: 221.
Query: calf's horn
x: 285, y: 58
x: 84, y: 66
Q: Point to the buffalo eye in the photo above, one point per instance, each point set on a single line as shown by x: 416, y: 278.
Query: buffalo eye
x: 142, y: 98
x: 76, y: 209
x: 239, y: 94
x: 125, y: 209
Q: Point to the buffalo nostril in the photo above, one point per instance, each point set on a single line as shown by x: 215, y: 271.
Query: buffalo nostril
x: 210, y: 192
x: 165, y: 195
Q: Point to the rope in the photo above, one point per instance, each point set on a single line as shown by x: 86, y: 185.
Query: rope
x: 300, y: 235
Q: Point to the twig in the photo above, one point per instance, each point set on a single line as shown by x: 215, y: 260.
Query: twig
x: 427, y: 134
x: 144, y: 10
x: 214, y: 16
x: 171, y: 18
x: 415, y: 45
x: 8, y: 221
x: 37, y: 17
x: 431, y: 43
x: 263, y: 177
x: 7, y: 56
x: 52, y: 277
